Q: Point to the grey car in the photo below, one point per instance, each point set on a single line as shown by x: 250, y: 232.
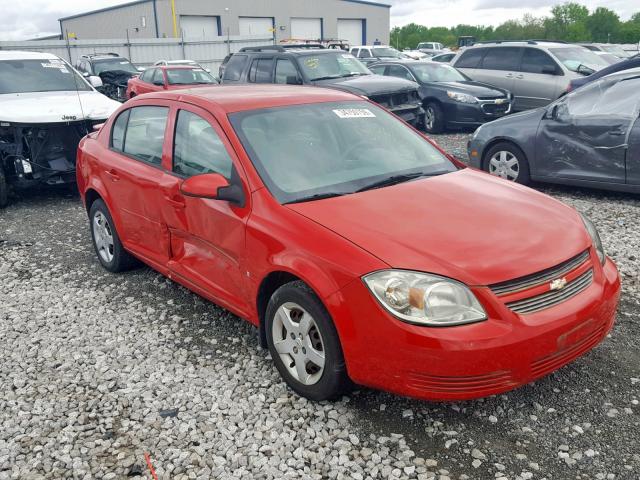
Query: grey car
x: 536, y: 72
x: 590, y: 137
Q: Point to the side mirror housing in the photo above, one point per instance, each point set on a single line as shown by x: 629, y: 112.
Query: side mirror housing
x: 213, y: 186
x: 95, y: 81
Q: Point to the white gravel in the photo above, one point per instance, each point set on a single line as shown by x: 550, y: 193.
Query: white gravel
x: 98, y: 369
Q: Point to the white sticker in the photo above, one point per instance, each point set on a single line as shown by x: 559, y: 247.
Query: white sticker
x: 60, y: 66
x: 123, y: 63
x: 354, y: 113
x: 347, y: 55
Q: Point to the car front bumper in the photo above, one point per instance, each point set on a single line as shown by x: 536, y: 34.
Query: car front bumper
x: 410, y: 113
x: 464, y: 362
x: 474, y: 114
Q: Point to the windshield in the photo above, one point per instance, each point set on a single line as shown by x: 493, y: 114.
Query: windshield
x: 185, y: 76
x: 574, y: 58
x: 433, y: 72
x: 114, y: 64
x: 45, y: 75
x: 616, y: 50
x: 331, y: 65
x: 328, y: 149
x: 386, y: 52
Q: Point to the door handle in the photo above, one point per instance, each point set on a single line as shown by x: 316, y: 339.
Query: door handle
x: 113, y: 174
x: 509, y: 75
x: 520, y: 76
x: 175, y: 203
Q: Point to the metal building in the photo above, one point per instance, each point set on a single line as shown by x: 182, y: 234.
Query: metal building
x: 357, y: 21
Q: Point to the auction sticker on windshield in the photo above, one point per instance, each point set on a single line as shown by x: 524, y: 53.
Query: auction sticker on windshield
x: 354, y: 113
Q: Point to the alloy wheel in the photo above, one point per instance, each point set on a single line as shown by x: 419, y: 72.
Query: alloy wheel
x: 429, y: 118
x: 504, y: 164
x: 103, y: 237
x: 297, y: 339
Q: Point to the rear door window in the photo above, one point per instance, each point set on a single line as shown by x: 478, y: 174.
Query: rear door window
x: 158, y: 77
x: 234, y: 68
x: 144, y: 135
x: 502, y: 58
x: 261, y: 70
x: 538, y: 61
x: 471, y: 58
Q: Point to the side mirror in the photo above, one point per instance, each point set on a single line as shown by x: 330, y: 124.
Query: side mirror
x: 213, y: 186
x: 293, y: 80
x: 208, y: 70
x: 95, y: 81
x: 140, y: 69
x: 552, y: 113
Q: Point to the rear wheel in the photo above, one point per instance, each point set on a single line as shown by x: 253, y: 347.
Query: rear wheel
x: 4, y: 189
x: 304, y: 343
x: 106, y: 241
x: 434, y: 121
x: 506, y: 160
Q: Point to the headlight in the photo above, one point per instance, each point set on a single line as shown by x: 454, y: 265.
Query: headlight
x: 462, y: 97
x: 425, y: 299
x: 595, y: 237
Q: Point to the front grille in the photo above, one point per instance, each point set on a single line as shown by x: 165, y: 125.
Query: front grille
x: 492, y: 97
x: 554, y: 297
x: 493, y: 109
x: 396, y: 99
x: 535, y: 279
x: 470, y: 384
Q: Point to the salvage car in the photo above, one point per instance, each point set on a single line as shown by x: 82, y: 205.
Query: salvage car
x: 168, y: 78
x: 322, y: 67
x: 536, y: 72
x: 628, y: 64
x: 46, y: 108
x: 114, y: 71
x: 590, y: 138
x: 449, y: 98
x: 362, y: 251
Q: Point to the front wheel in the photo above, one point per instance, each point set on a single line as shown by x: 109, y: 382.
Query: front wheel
x: 304, y: 343
x: 505, y: 160
x: 434, y: 121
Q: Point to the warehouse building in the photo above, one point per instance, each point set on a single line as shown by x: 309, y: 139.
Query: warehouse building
x: 357, y: 21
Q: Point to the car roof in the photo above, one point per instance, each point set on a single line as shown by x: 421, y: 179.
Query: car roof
x: 20, y: 55
x: 522, y: 43
x: 176, y: 67
x: 631, y: 72
x: 237, y: 98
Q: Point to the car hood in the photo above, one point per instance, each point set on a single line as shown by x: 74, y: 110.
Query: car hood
x: 477, y: 89
x: 466, y: 225
x: 55, y: 107
x: 369, y: 84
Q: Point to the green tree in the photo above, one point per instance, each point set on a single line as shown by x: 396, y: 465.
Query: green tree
x: 604, y: 25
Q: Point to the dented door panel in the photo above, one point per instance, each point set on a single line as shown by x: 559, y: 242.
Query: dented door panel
x: 633, y: 154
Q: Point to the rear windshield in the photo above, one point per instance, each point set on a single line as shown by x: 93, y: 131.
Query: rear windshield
x: 183, y: 76
x: 48, y: 75
x: 386, y: 52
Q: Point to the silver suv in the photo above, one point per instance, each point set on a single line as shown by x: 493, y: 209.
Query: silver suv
x: 536, y: 72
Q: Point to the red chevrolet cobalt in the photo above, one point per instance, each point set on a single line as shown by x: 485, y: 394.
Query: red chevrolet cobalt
x: 361, y: 250
x: 173, y: 77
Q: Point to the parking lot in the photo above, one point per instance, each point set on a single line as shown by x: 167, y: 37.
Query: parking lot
x: 100, y: 369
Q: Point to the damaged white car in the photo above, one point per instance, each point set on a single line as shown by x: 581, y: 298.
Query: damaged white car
x: 46, y: 107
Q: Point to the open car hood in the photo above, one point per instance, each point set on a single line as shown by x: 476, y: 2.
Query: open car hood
x: 55, y: 107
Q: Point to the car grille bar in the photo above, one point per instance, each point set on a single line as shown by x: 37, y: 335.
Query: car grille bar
x: 545, y: 276
x: 554, y: 297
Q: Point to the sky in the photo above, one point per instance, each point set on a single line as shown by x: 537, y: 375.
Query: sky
x: 26, y: 19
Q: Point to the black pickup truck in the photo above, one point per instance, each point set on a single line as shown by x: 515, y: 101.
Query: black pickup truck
x: 323, y: 67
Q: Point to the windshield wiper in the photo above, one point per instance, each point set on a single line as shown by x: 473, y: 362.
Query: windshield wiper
x: 395, y: 179
x: 328, y: 77
x: 352, y: 74
x: 316, y: 196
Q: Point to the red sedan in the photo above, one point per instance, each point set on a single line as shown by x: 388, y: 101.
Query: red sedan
x: 173, y: 77
x: 362, y: 251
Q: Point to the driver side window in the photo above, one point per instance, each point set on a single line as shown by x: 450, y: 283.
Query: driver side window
x: 198, y: 149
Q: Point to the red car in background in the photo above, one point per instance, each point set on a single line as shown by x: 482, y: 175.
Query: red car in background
x: 361, y: 250
x: 172, y: 77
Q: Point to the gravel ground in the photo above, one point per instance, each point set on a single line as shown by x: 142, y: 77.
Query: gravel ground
x: 99, y: 369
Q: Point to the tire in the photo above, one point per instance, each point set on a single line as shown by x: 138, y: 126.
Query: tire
x: 434, y: 121
x: 498, y: 161
x: 296, y: 302
x: 109, y: 249
x: 4, y: 189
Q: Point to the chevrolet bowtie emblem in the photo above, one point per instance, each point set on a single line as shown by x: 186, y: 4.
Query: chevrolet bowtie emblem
x: 558, y: 284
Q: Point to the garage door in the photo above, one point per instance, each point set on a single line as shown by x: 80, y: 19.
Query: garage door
x: 199, y: 27
x: 306, y: 28
x: 351, y: 30
x: 256, y: 25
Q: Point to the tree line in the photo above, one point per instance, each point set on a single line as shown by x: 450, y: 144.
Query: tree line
x: 570, y: 22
